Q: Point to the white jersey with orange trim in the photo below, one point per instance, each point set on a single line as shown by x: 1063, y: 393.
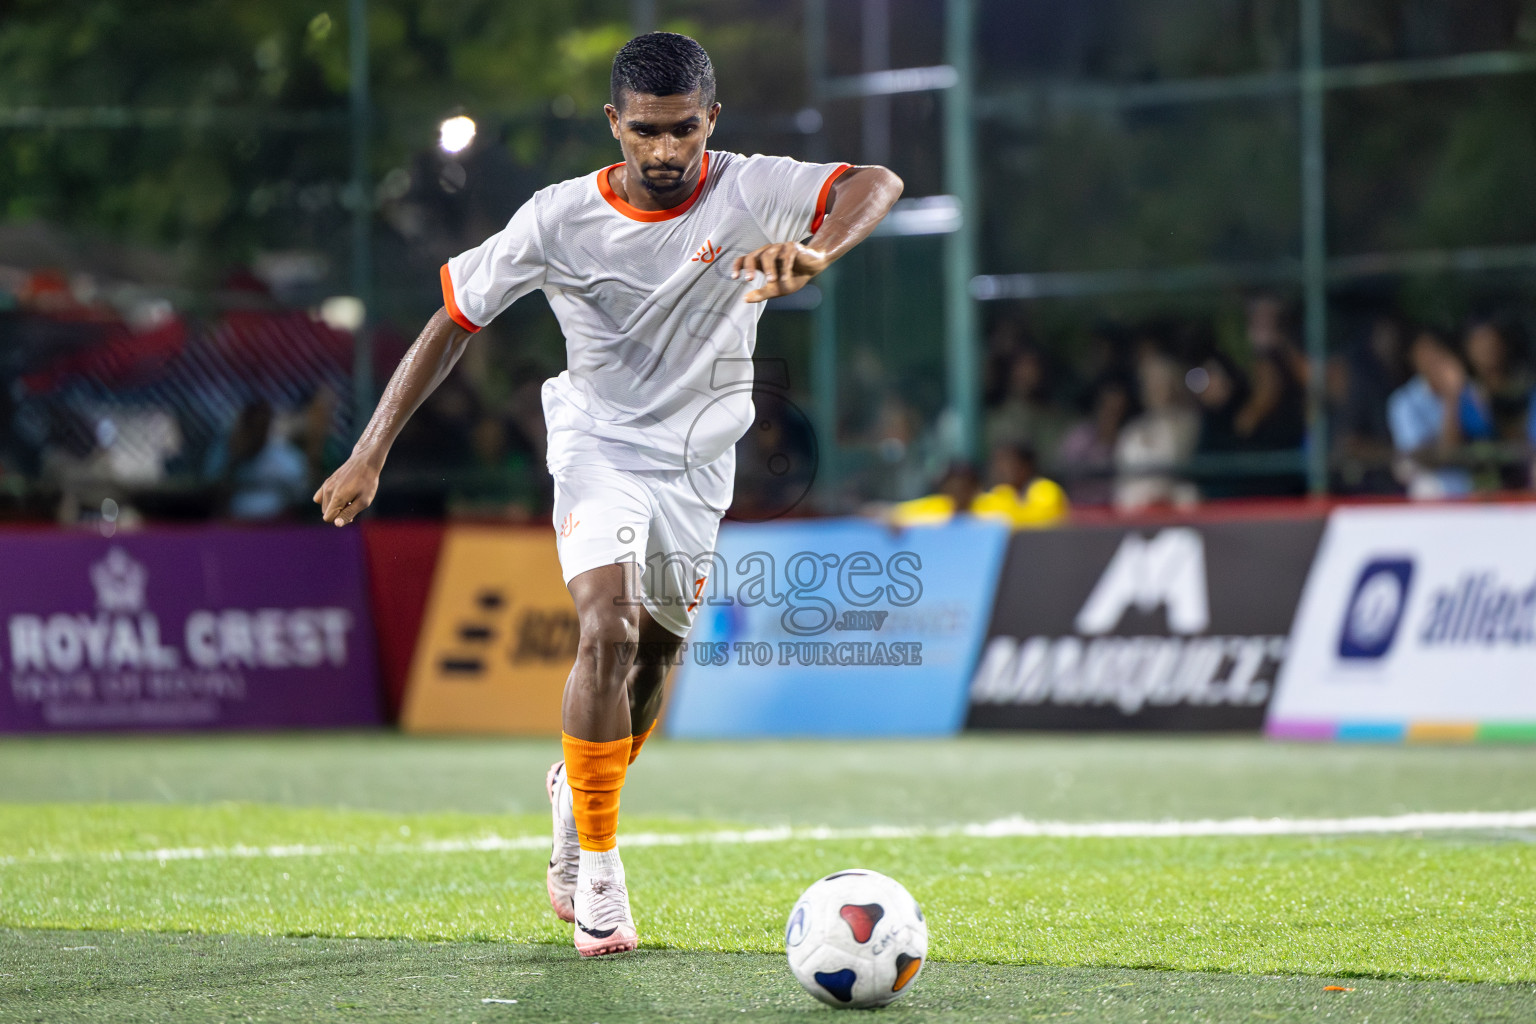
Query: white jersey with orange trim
x: 658, y: 341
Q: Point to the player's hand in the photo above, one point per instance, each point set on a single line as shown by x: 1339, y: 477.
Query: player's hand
x: 349, y: 490
x: 787, y: 267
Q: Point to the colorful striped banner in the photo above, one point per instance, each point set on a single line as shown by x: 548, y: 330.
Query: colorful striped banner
x: 1402, y: 732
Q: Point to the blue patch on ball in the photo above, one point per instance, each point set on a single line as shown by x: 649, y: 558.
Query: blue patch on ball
x: 839, y: 984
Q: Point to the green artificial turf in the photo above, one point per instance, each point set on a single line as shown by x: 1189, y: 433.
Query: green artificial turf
x: 360, y: 844
x: 1450, y: 907
x: 972, y: 778
x: 93, y: 976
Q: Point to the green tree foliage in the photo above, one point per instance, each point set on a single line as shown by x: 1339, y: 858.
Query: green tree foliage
x: 220, y: 125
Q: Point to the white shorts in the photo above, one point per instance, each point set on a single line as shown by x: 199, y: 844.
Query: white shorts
x: 666, y: 520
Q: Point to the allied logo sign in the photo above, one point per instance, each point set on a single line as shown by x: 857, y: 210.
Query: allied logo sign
x: 1180, y: 627
x: 1375, y: 608
x: 1415, y: 618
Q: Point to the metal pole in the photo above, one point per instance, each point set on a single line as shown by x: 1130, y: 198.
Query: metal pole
x: 362, y: 213
x: 824, y: 329
x: 961, y: 360
x: 1314, y: 255
x: 642, y: 16
x: 876, y: 53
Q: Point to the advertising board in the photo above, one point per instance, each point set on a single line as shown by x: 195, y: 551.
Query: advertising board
x: 498, y: 638
x: 839, y: 627
x: 1416, y: 623
x: 209, y: 628
x: 1180, y: 626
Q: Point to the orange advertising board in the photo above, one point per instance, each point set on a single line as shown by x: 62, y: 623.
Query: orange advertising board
x: 498, y: 638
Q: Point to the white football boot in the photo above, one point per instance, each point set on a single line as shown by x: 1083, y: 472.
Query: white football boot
x: 603, y: 922
x: 565, y: 856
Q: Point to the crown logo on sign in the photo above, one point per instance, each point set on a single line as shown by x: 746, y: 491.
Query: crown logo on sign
x: 119, y: 582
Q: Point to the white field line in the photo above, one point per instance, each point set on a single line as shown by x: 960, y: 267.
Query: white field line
x: 1002, y: 828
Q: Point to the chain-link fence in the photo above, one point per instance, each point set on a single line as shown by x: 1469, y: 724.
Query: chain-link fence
x: 1172, y: 251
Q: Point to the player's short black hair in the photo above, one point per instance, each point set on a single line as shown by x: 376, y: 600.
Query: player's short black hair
x: 663, y: 64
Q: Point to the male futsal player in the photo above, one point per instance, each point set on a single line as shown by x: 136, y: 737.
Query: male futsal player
x: 651, y: 267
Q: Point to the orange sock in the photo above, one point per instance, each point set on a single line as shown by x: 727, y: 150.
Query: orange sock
x: 639, y: 741
x: 596, y: 774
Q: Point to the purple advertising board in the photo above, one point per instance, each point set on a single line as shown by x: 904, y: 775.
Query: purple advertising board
x: 206, y: 628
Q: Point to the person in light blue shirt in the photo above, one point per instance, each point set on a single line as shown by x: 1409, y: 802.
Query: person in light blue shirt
x: 1432, y: 417
x: 259, y: 473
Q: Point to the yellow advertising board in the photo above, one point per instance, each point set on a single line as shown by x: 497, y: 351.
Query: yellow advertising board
x: 498, y: 637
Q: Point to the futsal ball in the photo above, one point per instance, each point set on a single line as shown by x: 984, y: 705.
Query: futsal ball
x: 856, y: 939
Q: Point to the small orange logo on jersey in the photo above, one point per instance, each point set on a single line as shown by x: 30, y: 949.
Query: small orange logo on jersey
x: 569, y: 525
x: 698, y: 588
x: 707, y: 253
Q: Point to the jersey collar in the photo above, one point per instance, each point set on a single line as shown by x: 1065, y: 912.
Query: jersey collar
x: 649, y: 216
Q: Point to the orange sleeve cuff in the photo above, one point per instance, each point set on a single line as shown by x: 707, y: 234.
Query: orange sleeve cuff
x: 821, y: 198
x: 452, y: 305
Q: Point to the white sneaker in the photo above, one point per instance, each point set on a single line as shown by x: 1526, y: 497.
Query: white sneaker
x: 603, y: 922
x: 565, y: 856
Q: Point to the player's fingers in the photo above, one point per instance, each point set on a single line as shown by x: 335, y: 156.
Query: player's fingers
x: 785, y: 262
x: 773, y: 263
x: 336, y: 503
x: 749, y: 263
x: 771, y: 290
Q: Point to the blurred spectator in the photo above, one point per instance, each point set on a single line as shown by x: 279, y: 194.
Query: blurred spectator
x: 1026, y: 415
x: 775, y: 459
x: 1501, y: 385
x: 1432, y: 417
x: 1361, y: 383
x: 1086, y: 456
x: 901, y: 446
x: 1155, y: 443
x: 435, y: 446
x: 11, y: 460
x: 1019, y: 493
x: 1005, y: 340
x: 500, y: 481
x: 955, y: 492
x: 324, y: 450
x: 1018, y: 496
x: 1274, y: 415
x: 262, y: 474
x: 439, y: 435
x: 1220, y: 392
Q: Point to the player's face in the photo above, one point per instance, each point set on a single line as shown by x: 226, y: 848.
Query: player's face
x: 663, y: 139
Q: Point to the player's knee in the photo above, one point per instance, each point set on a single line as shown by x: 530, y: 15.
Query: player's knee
x: 607, y: 638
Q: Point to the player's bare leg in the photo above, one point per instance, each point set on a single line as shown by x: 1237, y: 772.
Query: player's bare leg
x: 598, y: 739
x: 646, y: 686
x: 659, y: 652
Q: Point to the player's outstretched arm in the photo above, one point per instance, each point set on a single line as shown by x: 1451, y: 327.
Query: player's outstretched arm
x: 859, y: 200
x: 351, y: 488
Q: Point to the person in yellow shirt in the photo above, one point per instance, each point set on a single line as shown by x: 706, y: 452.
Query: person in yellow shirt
x: 1019, y: 496
x: 1029, y: 499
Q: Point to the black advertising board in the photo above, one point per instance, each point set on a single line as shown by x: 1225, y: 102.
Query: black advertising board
x: 1181, y: 626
